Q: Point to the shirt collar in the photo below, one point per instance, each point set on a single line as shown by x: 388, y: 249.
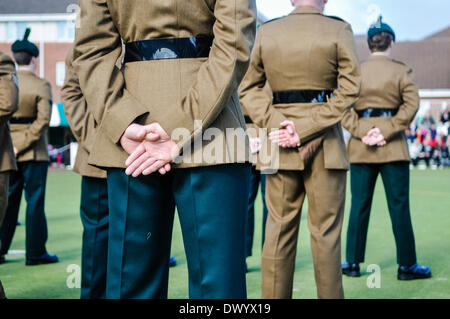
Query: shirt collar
x: 306, y: 10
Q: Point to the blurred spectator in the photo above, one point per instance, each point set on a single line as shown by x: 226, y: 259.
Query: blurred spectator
x: 446, y: 115
x: 428, y: 120
x: 428, y: 140
x: 416, y: 152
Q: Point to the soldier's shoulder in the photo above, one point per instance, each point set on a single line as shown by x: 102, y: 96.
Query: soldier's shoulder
x: 272, y: 20
x: 5, y: 59
x: 270, y: 24
x: 402, y: 65
x: 336, y: 19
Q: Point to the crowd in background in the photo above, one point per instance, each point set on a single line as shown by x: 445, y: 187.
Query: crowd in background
x: 428, y: 140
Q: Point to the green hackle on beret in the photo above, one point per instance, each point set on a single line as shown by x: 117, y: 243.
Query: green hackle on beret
x: 25, y: 45
x: 379, y: 27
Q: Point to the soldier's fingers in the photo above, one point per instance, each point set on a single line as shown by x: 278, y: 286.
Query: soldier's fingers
x: 135, y: 155
x: 152, y: 137
x: 135, y: 132
x: 135, y: 164
x: 147, y: 163
x: 154, y: 167
x: 167, y: 167
x: 286, y: 123
x: 278, y: 133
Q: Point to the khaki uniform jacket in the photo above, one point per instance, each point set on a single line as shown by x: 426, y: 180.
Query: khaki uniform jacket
x: 81, y: 121
x: 8, y: 105
x: 35, y: 101
x: 176, y: 93
x: 304, y: 51
x: 385, y: 84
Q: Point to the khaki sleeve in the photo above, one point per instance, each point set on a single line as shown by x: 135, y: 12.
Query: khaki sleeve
x: 8, y: 88
x: 98, y: 46
x: 75, y: 108
x: 352, y: 124
x: 42, y: 121
x: 220, y: 75
x: 347, y: 92
x: 406, y: 112
x: 253, y: 95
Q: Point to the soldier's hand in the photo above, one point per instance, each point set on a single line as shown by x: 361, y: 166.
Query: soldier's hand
x: 15, y: 151
x: 255, y: 145
x: 374, y: 137
x: 155, y: 153
x: 133, y: 136
x: 286, y: 137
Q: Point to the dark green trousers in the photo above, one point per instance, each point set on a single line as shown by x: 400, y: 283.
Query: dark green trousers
x: 256, y: 178
x: 31, y: 177
x: 395, y: 178
x: 94, y: 254
x: 211, y: 204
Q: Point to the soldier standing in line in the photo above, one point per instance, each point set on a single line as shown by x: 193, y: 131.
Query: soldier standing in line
x: 257, y: 178
x: 311, y: 65
x: 29, y: 129
x: 8, y: 105
x: 94, y: 211
x: 388, y: 104
x: 94, y: 189
x: 184, y: 61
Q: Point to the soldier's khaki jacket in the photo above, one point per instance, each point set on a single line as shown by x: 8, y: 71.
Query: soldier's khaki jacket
x: 81, y: 121
x: 189, y: 94
x: 8, y: 105
x: 305, y: 50
x: 35, y: 101
x: 385, y: 84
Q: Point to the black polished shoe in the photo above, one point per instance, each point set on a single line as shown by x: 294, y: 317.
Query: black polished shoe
x: 172, y: 261
x: 351, y: 270
x: 44, y: 259
x: 2, y: 259
x: 413, y: 272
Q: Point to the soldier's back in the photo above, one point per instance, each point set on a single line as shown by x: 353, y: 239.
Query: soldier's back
x: 300, y: 51
x: 381, y: 82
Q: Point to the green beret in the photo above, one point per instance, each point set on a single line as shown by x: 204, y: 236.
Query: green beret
x: 379, y: 27
x: 25, y: 45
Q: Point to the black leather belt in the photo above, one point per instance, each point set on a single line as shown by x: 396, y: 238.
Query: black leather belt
x: 375, y: 112
x: 168, y: 48
x: 301, y: 96
x: 22, y: 120
x: 248, y: 120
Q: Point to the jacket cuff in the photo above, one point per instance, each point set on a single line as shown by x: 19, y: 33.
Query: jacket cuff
x: 123, y: 114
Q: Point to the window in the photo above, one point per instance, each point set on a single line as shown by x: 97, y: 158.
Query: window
x: 20, y: 27
x: 66, y: 31
x: 60, y: 73
x: 11, y: 31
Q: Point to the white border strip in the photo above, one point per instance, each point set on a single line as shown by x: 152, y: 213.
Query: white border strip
x: 37, y: 17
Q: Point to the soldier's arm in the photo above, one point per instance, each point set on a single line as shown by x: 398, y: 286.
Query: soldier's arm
x: 98, y: 46
x: 75, y: 108
x: 220, y: 75
x: 42, y: 121
x: 8, y: 88
x: 254, y: 97
x: 406, y: 112
x: 352, y: 124
x: 347, y: 92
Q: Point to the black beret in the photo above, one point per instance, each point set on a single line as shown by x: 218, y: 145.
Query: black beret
x: 25, y: 45
x: 379, y: 27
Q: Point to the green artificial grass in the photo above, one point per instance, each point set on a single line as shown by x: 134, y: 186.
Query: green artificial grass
x: 430, y: 205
